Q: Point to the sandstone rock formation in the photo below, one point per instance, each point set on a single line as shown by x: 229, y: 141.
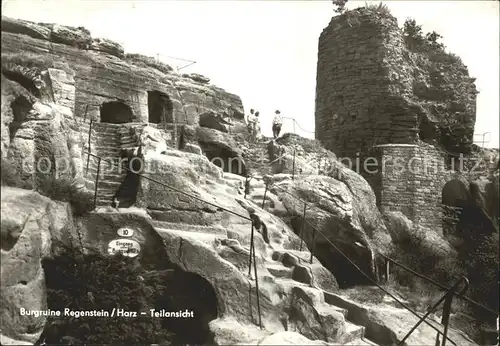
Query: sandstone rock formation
x: 33, y: 227
x: 65, y: 95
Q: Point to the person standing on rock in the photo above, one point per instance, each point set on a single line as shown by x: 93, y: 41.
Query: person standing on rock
x: 277, y: 123
x: 250, y: 120
x: 256, y: 127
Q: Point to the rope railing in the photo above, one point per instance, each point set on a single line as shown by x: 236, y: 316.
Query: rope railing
x: 296, y: 123
x: 434, y: 282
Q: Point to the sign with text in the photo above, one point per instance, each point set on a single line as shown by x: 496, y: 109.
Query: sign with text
x: 125, y: 232
x: 126, y: 247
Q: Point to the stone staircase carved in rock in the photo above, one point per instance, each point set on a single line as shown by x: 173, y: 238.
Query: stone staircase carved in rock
x: 257, y: 159
x: 283, y: 277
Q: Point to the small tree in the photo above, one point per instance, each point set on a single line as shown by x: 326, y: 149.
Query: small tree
x: 433, y: 38
x: 339, y: 5
x: 413, y: 33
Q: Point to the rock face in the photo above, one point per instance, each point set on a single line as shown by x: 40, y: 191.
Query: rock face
x: 372, y: 89
x: 103, y: 78
x: 345, y: 213
x: 32, y: 228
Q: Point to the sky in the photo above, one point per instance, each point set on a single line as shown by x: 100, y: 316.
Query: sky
x: 266, y: 51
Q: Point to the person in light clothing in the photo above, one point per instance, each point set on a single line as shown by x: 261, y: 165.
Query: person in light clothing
x: 256, y: 127
x: 277, y: 123
x: 250, y: 120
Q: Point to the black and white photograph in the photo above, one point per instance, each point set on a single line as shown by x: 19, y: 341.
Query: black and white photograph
x: 250, y: 172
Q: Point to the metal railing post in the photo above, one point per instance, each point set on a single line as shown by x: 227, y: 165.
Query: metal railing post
x: 246, y: 187
x: 251, y: 249
x: 252, y: 257
x: 90, y: 150
x: 447, y: 298
x: 303, y: 227
x: 265, y: 194
x: 97, y: 181
x: 257, y: 287
x: 387, y: 269
x: 293, y: 165
x: 313, y: 245
x: 445, y: 320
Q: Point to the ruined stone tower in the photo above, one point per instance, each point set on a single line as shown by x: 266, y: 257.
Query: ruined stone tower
x: 379, y: 100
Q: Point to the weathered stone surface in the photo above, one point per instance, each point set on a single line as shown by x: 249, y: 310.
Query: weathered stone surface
x: 289, y: 338
x: 197, y: 78
x: 98, y: 81
x: 75, y: 37
x: 401, y: 228
x: 344, y: 213
x: 386, y: 323
x: 32, y: 226
x: 214, y: 121
x: 107, y: 46
x: 19, y: 26
x: 372, y: 89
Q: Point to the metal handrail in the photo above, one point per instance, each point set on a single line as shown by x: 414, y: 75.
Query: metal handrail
x: 252, y: 245
x: 300, y: 127
x: 376, y: 284
x: 441, y: 286
x: 359, y: 269
x: 447, y: 298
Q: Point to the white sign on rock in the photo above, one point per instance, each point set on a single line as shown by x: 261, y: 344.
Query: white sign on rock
x: 125, y: 232
x: 126, y: 247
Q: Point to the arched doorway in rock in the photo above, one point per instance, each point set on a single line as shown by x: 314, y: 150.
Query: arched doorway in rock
x: 226, y: 159
x: 25, y: 82
x: 116, y: 112
x: 186, y: 291
x: 21, y: 106
x: 160, y: 108
x: 454, y: 197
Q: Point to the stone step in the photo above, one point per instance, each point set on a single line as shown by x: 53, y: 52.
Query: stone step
x: 353, y: 332
x: 106, y: 174
x: 107, y: 148
x: 189, y: 228
x: 108, y: 141
x: 279, y: 270
x: 103, y: 184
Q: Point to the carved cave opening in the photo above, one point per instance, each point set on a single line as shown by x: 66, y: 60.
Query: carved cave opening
x: 25, y: 82
x: 92, y: 281
x: 345, y: 273
x: 21, y: 107
x: 160, y: 108
x: 224, y: 158
x: 116, y: 112
x: 455, y: 196
x: 128, y: 189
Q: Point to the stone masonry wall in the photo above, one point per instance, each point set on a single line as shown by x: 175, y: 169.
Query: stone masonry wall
x: 378, y: 99
x: 410, y: 179
x: 372, y: 90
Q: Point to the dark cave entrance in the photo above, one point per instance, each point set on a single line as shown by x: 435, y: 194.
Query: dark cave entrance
x: 427, y: 130
x: 134, y: 164
x: 116, y: 112
x: 345, y: 273
x: 92, y: 281
x: 160, y: 107
x: 24, y: 81
x: 224, y: 158
x: 21, y: 107
x: 454, y: 197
